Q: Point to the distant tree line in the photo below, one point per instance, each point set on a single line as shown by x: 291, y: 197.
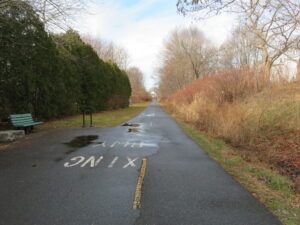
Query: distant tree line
x: 139, y: 92
x: 52, y: 75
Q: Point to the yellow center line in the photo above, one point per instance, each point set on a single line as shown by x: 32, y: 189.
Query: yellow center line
x: 138, y: 189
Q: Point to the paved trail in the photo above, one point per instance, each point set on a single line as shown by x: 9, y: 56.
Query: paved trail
x: 88, y: 177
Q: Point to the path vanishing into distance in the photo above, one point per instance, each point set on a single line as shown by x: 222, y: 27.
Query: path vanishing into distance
x: 89, y: 177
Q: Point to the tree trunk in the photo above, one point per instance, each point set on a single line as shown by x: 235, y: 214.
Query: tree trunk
x: 266, y: 66
x: 267, y: 71
x: 298, y: 71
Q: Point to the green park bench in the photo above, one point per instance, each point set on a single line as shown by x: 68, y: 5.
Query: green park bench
x: 23, y: 121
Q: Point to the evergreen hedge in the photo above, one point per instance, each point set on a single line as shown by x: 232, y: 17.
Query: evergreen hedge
x: 52, y: 76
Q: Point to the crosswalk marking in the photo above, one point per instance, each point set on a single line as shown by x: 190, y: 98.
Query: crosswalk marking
x: 113, y: 162
x: 130, y: 162
x: 94, y: 161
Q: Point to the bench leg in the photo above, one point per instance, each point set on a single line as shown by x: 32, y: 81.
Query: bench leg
x: 26, y: 130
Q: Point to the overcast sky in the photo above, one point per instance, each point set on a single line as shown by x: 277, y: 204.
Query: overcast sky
x: 141, y: 26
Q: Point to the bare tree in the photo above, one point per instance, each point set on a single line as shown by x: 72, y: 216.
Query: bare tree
x: 239, y: 50
x: 189, y: 46
x: 187, y: 56
x: 58, y: 14
x: 117, y: 54
x: 275, y: 23
x: 108, y: 51
x: 135, y: 76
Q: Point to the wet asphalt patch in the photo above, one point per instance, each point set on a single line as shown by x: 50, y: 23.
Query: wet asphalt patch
x: 77, y: 143
x: 131, y: 125
x: 80, y: 142
x: 133, y: 130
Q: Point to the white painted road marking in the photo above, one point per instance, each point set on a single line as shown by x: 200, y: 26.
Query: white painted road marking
x: 151, y: 114
x: 143, y: 144
x: 133, y: 144
x: 113, y: 162
x: 115, y: 143
x: 79, y: 158
x: 102, y: 144
x: 92, y: 161
x: 125, y: 144
x: 130, y: 162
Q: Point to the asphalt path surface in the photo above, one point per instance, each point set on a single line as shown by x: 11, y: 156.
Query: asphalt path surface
x: 88, y: 176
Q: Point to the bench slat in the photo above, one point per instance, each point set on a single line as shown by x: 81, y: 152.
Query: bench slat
x: 21, y: 115
x: 23, y: 120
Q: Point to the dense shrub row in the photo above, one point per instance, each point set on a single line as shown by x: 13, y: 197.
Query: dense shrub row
x: 52, y: 75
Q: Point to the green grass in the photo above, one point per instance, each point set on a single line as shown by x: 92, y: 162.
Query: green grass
x: 213, y: 146
x: 102, y: 119
x: 273, y: 190
x: 236, y: 161
x: 276, y: 182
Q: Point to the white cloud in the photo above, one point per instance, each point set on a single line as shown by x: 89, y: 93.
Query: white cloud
x: 143, y: 36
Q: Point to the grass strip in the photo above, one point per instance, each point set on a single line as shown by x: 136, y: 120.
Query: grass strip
x: 101, y: 119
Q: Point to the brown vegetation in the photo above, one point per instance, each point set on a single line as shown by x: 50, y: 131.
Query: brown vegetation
x: 139, y: 93
x: 138, y: 99
x: 237, y: 106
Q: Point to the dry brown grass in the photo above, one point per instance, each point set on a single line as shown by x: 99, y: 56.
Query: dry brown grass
x: 232, y: 106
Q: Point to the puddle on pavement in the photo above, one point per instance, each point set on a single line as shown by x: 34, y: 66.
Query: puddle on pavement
x: 133, y: 130
x: 71, y: 150
x: 80, y: 142
x: 58, y: 159
x: 131, y: 125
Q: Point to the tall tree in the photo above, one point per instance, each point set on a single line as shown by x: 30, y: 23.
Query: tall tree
x: 58, y: 14
x: 109, y: 51
x: 135, y: 76
x: 275, y: 23
x: 27, y: 61
x: 187, y: 55
x: 239, y: 50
